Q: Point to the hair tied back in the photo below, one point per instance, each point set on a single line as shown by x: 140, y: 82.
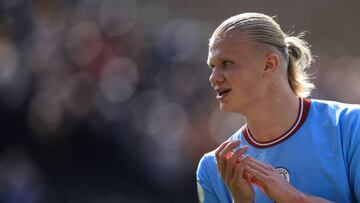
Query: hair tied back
x: 293, y: 51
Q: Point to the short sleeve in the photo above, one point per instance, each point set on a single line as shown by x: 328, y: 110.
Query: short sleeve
x: 351, y: 128
x: 206, y: 192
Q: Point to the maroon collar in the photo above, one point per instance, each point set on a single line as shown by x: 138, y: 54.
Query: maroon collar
x: 304, y: 107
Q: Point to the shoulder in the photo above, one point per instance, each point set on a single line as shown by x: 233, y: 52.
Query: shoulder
x: 335, y: 109
x: 206, y: 172
x: 206, y: 163
x: 346, y: 117
x: 317, y: 103
x: 333, y: 104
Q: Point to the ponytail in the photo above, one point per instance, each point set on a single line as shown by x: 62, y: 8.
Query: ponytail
x: 300, y: 59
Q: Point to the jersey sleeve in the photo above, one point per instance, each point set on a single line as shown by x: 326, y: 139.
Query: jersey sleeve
x: 205, y: 191
x: 351, y: 130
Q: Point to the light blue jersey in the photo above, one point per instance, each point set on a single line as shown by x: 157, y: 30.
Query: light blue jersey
x: 319, y: 155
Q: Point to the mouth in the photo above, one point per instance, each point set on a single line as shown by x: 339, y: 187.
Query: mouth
x: 222, y: 93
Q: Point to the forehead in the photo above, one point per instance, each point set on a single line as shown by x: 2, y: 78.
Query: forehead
x: 232, y: 44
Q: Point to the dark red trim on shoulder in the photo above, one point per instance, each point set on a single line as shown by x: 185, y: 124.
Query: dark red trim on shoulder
x: 304, y: 108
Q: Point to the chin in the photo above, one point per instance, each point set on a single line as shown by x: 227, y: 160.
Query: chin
x: 225, y: 107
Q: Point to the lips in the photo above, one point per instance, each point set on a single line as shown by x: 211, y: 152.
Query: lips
x: 222, y: 93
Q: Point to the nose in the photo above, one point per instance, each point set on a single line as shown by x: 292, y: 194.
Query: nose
x: 216, y: 77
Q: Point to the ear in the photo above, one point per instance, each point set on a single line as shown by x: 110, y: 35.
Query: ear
x: 272, y: 61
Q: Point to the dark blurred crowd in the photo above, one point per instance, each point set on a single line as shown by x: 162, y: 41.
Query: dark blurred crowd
x: 109, y: 100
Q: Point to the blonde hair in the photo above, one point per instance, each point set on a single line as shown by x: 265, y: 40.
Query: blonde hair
x: 263, y: 29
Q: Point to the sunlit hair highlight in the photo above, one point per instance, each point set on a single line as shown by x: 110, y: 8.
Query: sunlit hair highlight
x: 264, y: 29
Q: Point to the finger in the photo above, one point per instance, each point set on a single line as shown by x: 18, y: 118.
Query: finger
x: 238, y: 175
x: 257, y: 177
x: 231, y: 163
x: 221, y: 147
x: 257, y: 182
x: 245, y: 159
x: 223, y: 156
x: 261, y: 164
x: 228, y: 149
x: 253, y: 163
x: 240, y: 152
x: 229, y: 155
x: 218, y: 150
x: 247, y: 176
x: 220, y: 157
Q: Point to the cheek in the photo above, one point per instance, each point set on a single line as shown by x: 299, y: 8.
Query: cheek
x: 249, y: 86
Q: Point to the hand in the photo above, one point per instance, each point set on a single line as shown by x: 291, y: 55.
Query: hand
x: 231, y: 167
x: 271, y: 182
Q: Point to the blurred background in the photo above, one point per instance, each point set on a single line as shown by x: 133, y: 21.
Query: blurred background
x: 109, y: 101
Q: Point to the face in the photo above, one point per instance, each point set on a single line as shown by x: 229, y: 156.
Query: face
x: 237, y: 72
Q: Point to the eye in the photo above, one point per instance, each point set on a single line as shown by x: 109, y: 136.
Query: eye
x: 226, y: 63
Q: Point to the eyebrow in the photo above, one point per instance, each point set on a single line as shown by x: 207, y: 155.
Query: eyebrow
x: 211, y: 66
x: 219, y: 59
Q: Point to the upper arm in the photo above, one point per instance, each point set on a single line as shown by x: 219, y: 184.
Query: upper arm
x: 352, y: 147
x: 206, y: 193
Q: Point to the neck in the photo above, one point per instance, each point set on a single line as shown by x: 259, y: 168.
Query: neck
x: 272, y: 117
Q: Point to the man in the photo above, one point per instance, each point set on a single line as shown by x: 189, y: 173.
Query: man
x: 292, y: 149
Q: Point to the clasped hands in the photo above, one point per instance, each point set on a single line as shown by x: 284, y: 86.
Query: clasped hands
x: 241, y: 173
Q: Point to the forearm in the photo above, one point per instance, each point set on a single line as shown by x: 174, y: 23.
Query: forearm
x: 299, y: 198
x: 239, y: 201
x: 303, y: 198
x: 313, y: 199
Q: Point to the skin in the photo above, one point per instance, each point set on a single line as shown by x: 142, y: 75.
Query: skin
x: 258, y: 83
x: 232, y: 171
x: 255, y: 79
